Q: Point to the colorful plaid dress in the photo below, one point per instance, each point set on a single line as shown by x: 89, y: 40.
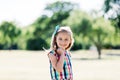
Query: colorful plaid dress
x: 66, y: 73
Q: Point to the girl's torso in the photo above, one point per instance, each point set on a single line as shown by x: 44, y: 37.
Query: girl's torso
x: 66, y: 73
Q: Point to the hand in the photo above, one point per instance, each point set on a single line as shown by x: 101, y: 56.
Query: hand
x: 60, y: 51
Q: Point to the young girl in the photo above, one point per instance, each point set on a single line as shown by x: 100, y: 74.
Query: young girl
x: 59, y: 56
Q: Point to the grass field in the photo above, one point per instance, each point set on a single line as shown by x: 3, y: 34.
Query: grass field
x: 34, y: 65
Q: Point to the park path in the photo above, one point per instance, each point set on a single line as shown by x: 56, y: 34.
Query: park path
x: 34, y: 65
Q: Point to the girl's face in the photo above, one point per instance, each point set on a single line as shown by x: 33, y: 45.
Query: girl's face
x: 63, y: 40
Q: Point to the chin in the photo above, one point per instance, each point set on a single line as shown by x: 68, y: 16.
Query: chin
x: 63, y: 47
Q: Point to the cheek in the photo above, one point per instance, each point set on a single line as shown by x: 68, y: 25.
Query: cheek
x: 58, y: 42
x: 68, y: 42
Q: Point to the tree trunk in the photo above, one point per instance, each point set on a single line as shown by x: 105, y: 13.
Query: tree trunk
x: 99, y: 52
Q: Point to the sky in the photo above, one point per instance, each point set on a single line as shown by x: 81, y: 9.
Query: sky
x: 24, y: 12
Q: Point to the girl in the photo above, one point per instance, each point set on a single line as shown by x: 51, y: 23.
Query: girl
x: 59, y: 56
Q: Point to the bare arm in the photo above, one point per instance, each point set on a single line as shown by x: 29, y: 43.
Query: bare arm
x: 57, y: 64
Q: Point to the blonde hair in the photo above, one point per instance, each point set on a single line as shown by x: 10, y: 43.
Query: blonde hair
x: 62, y: 29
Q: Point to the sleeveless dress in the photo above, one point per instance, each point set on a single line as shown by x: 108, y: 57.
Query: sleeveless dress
x: 66, y: 73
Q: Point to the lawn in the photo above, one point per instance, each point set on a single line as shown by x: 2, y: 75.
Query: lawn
x: 34, y: 65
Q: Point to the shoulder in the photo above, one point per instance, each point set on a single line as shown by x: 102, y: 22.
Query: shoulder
x: 51, y: 54
x: 52, y: 57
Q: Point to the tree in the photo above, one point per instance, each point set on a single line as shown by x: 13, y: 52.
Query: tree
x: 101, y: 31
x: 45, y: 24
x: 60, y: 10
x: 95, y: 31
x: 112, y: 10
x: 60, y: 6
x: 80, y: 23
x: 10, y: 33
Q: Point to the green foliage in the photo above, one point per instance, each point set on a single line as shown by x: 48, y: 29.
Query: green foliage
x: 87, y: 30
x: 92, y: 30
x: 36, y: 44
x: 10, y: 34
x: 60, y: 6
x: 111, y: 5
x: 60, y: 11
x: 79, y: 21
x: 101, y: 31
x: 76, y: 46
x: 112, y: 9
x: 81, y: 25
x: 43, y: 27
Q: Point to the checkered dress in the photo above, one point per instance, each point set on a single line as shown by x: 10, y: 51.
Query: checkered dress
x: 66, y: 73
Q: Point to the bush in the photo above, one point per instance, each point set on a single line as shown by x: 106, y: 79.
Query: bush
x: 76, y: 46
x: 109, y: 46
x: 36, y: 44
x: 1, y: 46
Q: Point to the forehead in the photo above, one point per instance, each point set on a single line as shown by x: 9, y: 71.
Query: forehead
x: 63, y: 34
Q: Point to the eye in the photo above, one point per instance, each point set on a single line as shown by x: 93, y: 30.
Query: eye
x: 66, y: 39
x: 60, y: 38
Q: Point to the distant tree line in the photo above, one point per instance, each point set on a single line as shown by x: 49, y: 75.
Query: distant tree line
x: 88, y: 29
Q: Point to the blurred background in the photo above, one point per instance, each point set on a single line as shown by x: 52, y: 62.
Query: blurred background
x: 29, y: 24
x: 26, y: 26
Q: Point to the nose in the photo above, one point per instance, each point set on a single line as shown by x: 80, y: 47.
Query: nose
x: 63, y: 42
